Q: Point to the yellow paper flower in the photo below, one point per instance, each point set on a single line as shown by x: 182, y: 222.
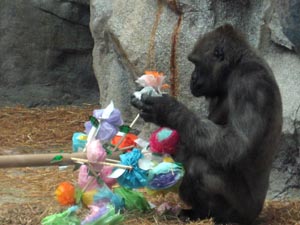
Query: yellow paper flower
x: 88, y: 197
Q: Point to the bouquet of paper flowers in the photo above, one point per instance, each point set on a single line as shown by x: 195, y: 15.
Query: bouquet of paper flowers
x: 109, y: 186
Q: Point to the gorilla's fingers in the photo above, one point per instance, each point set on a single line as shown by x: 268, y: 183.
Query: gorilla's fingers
x: 148, y: 117
x: 147, y: 108
x: 136, y: 102
x: 147, y: 99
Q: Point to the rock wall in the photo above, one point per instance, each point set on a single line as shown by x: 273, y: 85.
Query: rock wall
x: 46, y: 53
x: 132, y: 36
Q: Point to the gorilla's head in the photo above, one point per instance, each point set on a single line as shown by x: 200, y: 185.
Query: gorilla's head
x: 214, y: 56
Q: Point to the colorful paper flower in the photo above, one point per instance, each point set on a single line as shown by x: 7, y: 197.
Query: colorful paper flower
x: 146, y: 90
x: 153, y: 79
x: 134, y: 200
x: 108, y: 127
x: 88, y: 197
x: 164, y: 141
x: 102, y: 196
x: 84, y: 179
x: 164, y: 175
x: 96, y: 212
x: 128, y: 140
x: 105, y: 195
x: 104, y: 215
x: 104, y: 174
x: 67, y: 217
x: 96, y: 153
x: 78, y: 141
x: 65, y: 194
x: 136, y: 177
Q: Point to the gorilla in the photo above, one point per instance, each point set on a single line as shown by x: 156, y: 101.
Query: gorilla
x: 228, y: 155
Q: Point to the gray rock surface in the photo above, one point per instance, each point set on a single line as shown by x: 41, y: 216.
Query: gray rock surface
x: 133, y: 36
x: 46, y: 53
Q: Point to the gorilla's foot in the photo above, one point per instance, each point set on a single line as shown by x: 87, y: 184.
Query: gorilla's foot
x: 184, y: 215
x: 187, y: 215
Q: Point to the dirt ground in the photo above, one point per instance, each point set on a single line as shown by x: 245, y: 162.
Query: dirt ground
x: 27, y: 194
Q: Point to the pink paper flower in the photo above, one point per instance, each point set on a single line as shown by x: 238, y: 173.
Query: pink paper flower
x: 96, y: 153
x: 153, y: 79
x: 105, y: 172
x: 84, y: 178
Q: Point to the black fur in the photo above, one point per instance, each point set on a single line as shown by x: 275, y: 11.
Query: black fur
x: 227, y: 156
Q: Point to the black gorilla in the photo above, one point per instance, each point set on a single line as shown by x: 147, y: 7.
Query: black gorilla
x: 227, y: 156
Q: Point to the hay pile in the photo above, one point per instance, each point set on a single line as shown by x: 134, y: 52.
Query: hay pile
x: 26, y: 194
x: 41, y: 128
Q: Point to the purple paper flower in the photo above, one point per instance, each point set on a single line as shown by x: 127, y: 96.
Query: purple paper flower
x: 95, y: 213
x: 108, y: 127
x: 164, y: 175
x: 162, y: 181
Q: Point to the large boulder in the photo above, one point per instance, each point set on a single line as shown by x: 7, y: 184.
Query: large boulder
x: 46, y: 53
x: 133, y: 36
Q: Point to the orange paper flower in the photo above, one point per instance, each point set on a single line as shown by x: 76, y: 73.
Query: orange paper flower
x: 128, y: 141
x: 65, y: 194
x: 153, y: 72
x: 153, y: 79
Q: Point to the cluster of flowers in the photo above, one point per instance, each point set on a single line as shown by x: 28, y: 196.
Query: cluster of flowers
x: 108, y: 186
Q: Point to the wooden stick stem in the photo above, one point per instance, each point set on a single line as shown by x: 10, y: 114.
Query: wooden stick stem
x: 90, y: 180
x: 123, y: 137
x: 126, y: 148
x: 102, y: 163
x: 134, y: 121
x: 113, y: 160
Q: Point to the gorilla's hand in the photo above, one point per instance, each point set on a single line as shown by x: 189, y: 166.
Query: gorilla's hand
x: 156, y: 109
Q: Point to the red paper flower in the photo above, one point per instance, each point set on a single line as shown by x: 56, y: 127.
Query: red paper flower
x: 164, y: 141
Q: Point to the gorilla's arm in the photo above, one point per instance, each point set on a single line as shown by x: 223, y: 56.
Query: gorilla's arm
x: 223, y: 145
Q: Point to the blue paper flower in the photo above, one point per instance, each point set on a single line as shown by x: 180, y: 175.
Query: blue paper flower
x: 136, y: 177
x: 106, y: 195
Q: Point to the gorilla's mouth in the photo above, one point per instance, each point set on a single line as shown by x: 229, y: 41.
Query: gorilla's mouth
x: 195, y: 88
x: 196, y: 92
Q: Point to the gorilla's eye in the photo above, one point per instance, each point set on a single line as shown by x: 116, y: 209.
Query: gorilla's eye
x: 218, y: 53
